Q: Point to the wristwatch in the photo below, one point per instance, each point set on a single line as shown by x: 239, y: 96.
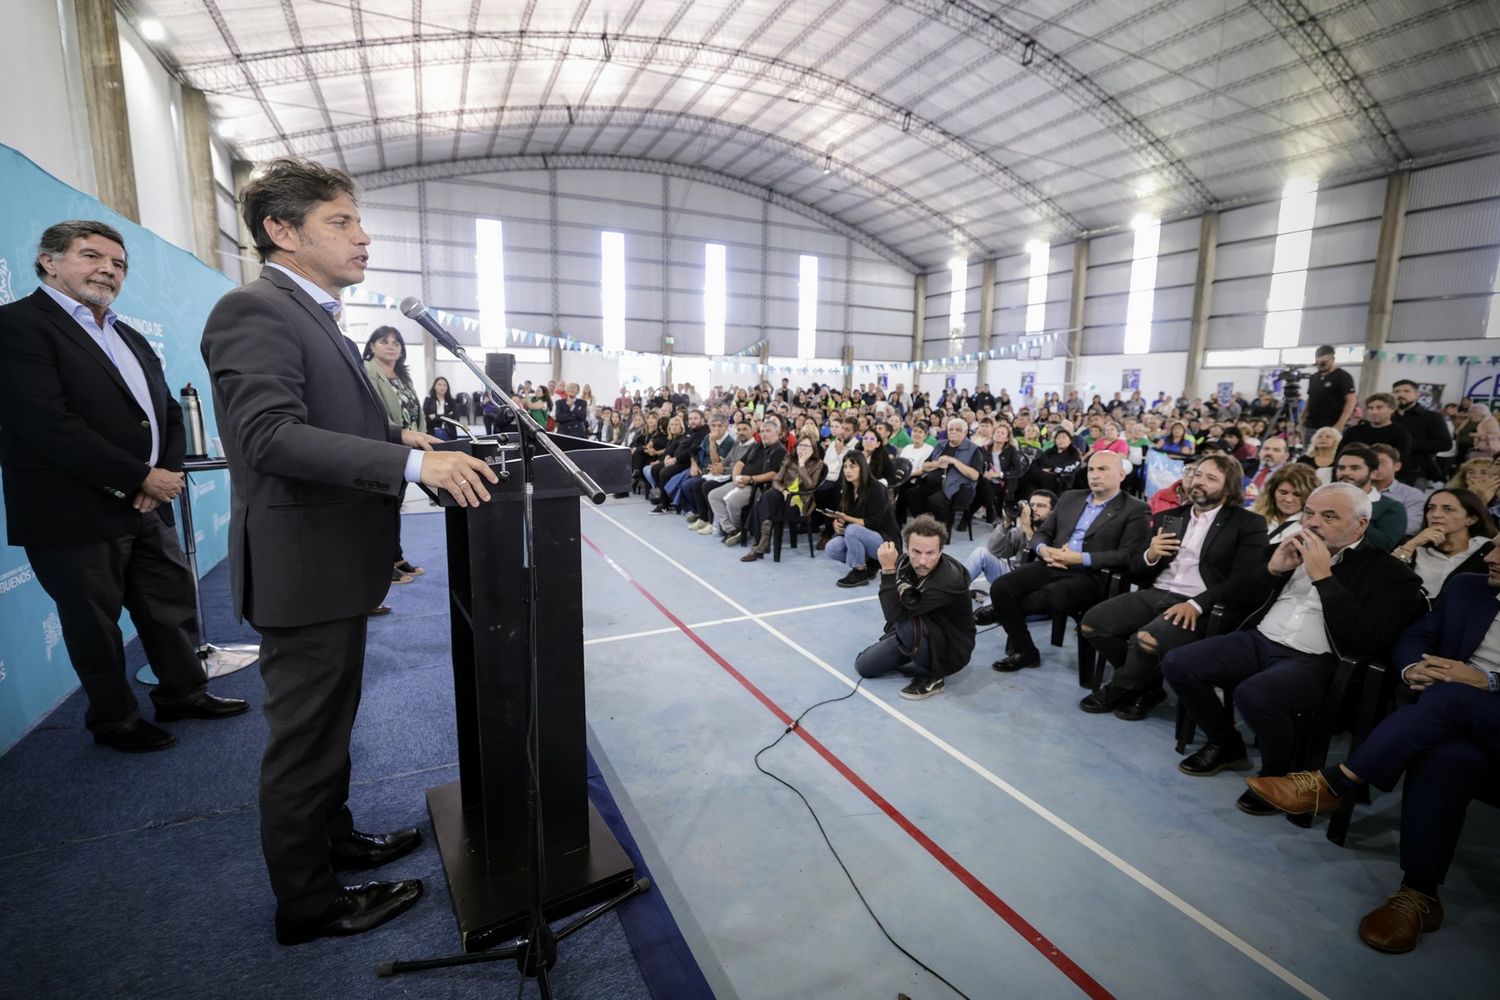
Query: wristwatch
x: 1494, y: 682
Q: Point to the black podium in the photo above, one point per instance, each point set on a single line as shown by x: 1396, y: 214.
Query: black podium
x: 481, y: 819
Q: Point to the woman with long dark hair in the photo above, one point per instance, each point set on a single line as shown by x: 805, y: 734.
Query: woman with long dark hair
x: 801, y: 473
x: 876, y: 456
x: 864, y: 519
x: 1057, y: 467
x: 439, y: 403
x: 385, y: 364
x: 1456, y: 532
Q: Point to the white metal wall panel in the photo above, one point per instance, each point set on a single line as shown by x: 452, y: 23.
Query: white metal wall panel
x: 1248, y: 223
x: 1179, y: 237
x: 1104, y: 310
x: 1108, y: 279
x: 1452, y: 228
x: 1340, y: 286
x: 1240, y: 296
x: 1245, y: 259
x: 1112, y: 248
x: 1333, y: 325
x: 1170, y: 304
x: 1236, y: 330
x: 1354, y: 242
x: 532, y: 265
x: 1350, y: 203
x: 1459, y: 273
x: 1440, y: 319
x: 1465, y: 180
x: 1177, y: 269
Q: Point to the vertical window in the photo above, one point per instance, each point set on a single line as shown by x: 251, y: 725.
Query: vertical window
x: 1139, y: 305
x: 1039, y: 254
x: 807, y: 306
x: 958, y: 279
x: 1289, y: 269
x: 612, y: 289
x: 1492, y: 321
x: 489, y: 270
x: 715, y: 295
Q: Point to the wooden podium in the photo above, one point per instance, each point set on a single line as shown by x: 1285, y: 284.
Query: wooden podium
x: 481, y: 819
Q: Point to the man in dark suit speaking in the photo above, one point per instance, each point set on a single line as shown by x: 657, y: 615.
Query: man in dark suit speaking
x: 91, y: 443
x: 1088, y: 532
x: 317, y: 473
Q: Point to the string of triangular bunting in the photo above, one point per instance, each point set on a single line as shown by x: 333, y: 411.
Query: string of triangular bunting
x: 515, y: 335
x: 1432, y: 359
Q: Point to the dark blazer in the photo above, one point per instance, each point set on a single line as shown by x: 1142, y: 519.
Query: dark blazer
x: 1118, y: 535
x: 1367, y: 602
x: 316, y: 469
x: 1455, y: 626
x: 1235, y: 544
x: 74, y: 442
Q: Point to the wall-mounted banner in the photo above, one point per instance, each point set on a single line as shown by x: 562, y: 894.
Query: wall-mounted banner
x: 1028, y: 384
x: 167, y: 297
x: 1130, y: 379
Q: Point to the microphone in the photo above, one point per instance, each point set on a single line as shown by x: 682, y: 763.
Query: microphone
x: 455, y: 423
x: 415, y: 310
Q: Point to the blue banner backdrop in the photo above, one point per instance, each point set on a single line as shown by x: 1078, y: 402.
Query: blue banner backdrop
x: 167, y: 297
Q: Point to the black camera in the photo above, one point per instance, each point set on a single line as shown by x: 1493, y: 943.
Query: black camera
x: 1289, y: 377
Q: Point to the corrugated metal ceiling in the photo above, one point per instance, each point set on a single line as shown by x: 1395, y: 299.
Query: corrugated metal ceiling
x: 931, y: 127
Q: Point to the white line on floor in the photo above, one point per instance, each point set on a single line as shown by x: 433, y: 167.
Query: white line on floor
x: 1135, y: 874
x: 726, y: 621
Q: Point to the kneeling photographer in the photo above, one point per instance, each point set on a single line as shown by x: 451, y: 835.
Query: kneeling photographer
x: 929, y: 624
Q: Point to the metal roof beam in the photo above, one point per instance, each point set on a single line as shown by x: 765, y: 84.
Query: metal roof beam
x: 500, y: 164
x: 345, y: 58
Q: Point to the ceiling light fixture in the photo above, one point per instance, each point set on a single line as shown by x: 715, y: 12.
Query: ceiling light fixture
x: 225, y: 130
x: 152, y: 30
x: 828, y: 163
x: 1028, y: 52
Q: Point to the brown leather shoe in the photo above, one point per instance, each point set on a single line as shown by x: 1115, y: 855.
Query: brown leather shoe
x: 1397, y: 925
x: 1298, y: 793
x: 380, y: 609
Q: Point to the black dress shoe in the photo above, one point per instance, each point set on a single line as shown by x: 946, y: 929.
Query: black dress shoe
x: 205, y: 706
x: 985, y: 615
x: 1255, y: 805
x: 1214, y: 758
x: 357, y: 909
x: 139, y: 736
x: 1140, y: 706
x: 371, y: 850
x: 1020, y: 660
x: 1106, y: 699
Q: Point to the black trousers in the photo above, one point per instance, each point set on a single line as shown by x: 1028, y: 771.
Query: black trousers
x: 1272, y: 684
x: 1037, y: 588
x: 313, y: 676
x: 147, y: 573
x: 920, y: 498
x: 1112, y: 628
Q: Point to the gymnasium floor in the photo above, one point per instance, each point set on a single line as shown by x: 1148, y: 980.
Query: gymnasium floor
x: 1008, y: 840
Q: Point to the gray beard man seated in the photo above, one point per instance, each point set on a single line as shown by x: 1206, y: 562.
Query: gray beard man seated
x: 929, y: 621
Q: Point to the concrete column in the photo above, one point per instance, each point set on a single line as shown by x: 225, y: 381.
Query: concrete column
x: 196, y: 137
x: 848, y: 363
x: 104, y: 90
x: 666, y: 354
x: 1383, y: 285
x: 429, y: 346
x: 1075, y: 308
x: 918, y: 316
x: 556, y: 353
x: 250, y: 260
x: 986, y: 320
x: 1203, y: 299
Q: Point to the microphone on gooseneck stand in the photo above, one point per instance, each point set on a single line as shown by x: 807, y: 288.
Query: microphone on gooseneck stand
x: 414, y: 309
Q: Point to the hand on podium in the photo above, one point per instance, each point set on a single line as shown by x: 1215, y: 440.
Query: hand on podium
x: 463, y: 476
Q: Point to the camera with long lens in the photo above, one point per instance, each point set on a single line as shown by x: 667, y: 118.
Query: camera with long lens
x: 1291, y: 377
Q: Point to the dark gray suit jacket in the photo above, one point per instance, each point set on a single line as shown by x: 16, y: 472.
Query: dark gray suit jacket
x: 316, y: 468
x: 1119, y: 533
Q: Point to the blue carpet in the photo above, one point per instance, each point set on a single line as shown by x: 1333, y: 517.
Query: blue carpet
x: 141, y: 876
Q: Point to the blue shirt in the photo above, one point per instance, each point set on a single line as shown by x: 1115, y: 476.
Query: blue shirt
x: 1091, y: 512
x: 118, y: 352
x: 333, y: 307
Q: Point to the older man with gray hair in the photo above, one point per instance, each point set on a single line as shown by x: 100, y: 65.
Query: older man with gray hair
x: 1324, y: 593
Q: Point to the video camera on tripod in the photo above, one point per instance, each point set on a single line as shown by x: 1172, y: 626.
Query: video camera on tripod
x: 1291, y: 378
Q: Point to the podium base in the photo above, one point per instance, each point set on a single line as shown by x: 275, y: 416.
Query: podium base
x: 217, y: 660
x: 492, y: 909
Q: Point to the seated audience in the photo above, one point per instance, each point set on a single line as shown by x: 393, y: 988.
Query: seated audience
x: 999, y: 477
x: 677, y: 464
x: 1055, y: 468
x: 760, y: 464
x: 946, y: 481
x: 1413, y: 500
x: 929, y: 627
x: 1281, y: 502
x: 864, y: 517
x: 708, y: 465
x: 876, y: 456
x: 1453, y: 537
x: 1357, y: 465
x: 1378, y: 428
x: 1273, y: 454
x: 1446, y: 744
x: 1177, y: 440
x: 1089, y: 531
x: 1324, y: 592
x: 1006, y: 546
x: 1186, y: 569
x: 801, y: 473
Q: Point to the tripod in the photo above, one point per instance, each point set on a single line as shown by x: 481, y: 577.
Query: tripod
x: 535, y: 952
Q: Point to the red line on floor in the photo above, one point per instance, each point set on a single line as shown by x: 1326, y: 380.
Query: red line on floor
x: 1018, y: 923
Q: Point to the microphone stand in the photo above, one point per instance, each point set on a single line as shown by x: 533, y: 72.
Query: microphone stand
x: 535, y: 952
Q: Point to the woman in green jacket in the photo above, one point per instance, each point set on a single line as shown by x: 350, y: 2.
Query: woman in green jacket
x: 385, y: 363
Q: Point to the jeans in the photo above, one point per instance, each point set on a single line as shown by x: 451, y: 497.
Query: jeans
x: 673, y: 489
x: 855, y: 545
x: 983, y: 561
x: 1111, y: 628
x: 885, y: 655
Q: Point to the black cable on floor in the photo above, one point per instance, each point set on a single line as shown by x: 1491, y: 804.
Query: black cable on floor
x: 814, y: 813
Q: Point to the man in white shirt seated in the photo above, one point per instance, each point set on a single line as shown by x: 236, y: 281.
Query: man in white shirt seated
x: 1325, y: 592
x: 920, y: 449
x: 1195, y: 550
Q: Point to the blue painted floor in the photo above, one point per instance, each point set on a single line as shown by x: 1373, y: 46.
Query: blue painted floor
x: 1151, y: 883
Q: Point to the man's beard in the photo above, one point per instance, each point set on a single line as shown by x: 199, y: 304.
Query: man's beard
x: 1202, y: 498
